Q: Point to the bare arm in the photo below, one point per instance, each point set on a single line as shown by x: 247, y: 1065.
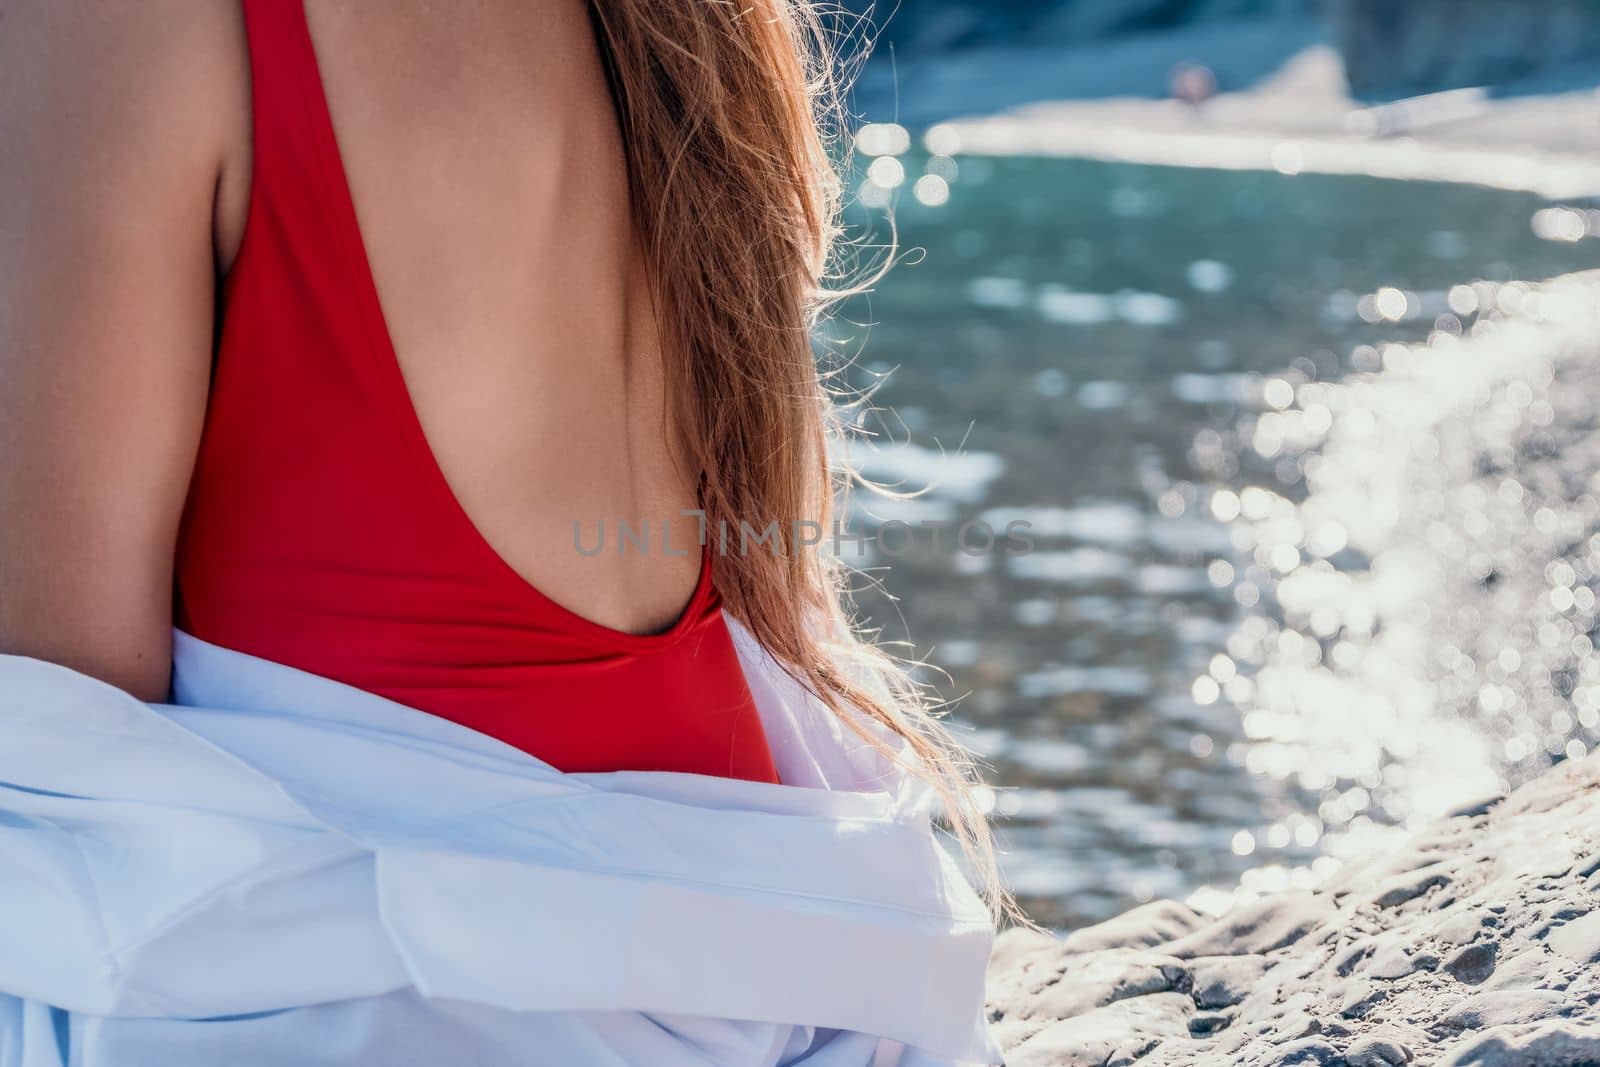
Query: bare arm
x: 113, y: 122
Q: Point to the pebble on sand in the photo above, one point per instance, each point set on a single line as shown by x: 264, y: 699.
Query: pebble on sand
x: 1477, y: 946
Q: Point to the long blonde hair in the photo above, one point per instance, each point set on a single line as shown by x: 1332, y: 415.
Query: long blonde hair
x: 729, y: 110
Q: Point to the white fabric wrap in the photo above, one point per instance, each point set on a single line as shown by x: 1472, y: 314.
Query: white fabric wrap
x: 278, y: 868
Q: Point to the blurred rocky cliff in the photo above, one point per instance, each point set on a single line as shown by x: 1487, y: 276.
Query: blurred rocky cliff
x: 921, y: 26
x: 1426, y: 45
x: 1390, y: 48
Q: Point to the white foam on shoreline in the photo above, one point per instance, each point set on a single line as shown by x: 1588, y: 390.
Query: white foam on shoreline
x: 1558, y: 176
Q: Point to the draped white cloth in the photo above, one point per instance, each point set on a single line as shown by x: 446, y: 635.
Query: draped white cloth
x: 279, y: 870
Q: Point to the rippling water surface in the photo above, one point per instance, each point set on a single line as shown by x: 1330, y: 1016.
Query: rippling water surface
x: 1310, y: 473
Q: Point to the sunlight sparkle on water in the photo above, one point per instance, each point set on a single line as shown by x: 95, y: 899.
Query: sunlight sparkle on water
x: 1414, y: 657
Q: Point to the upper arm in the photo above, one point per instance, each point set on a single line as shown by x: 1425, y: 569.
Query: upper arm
x: 110, y: 152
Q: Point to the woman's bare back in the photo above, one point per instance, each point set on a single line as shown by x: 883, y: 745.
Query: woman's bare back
x: 488, y: 174
x: 486, y: 163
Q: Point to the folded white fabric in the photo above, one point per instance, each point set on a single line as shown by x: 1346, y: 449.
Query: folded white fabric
x: 281, y: 869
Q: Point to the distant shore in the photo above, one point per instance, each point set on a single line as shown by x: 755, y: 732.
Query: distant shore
x: 1284, y: 107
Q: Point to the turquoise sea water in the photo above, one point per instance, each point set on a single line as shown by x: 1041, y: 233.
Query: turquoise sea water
x: 1144, y: 364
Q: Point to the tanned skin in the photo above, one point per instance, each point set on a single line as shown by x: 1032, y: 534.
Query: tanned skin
x: 489, y: 179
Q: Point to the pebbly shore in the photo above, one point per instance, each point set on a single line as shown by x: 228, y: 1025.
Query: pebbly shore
x: 1476, y: 945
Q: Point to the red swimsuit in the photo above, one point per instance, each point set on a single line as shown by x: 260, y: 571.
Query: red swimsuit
x: 320, y: 531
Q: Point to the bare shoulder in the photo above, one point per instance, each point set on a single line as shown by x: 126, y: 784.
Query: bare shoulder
x: 97, y: 84
x: 108, y: 58
x: 118, y: 122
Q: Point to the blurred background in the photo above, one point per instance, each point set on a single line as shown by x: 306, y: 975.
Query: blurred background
x: 1269, y: 317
